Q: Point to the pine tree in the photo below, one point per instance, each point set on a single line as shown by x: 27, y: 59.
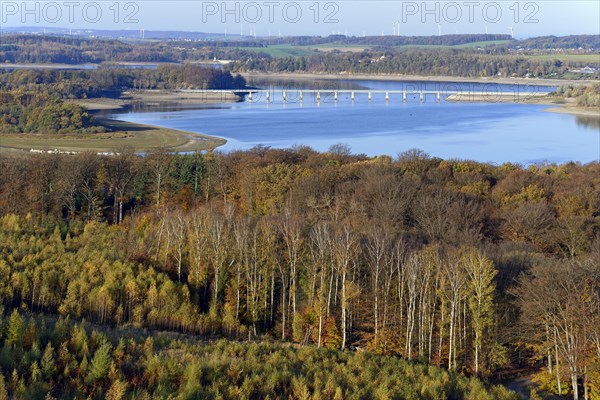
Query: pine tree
x: 117, y: 390
x: 29, y: 334
x: 3, y: 391
x: 101, y: 362
x: 36, y: 374
x: 48, y: 365
x: 14, y: 335
x: 83, y: 366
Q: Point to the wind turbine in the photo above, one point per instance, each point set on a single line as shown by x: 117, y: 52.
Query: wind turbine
x: 486, y: 30
x: 439, y: 30
x: 512, y: 33
x: 398, y: 28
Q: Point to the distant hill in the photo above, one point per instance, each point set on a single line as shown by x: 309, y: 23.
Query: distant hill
x: 584, y: 42
x: 114, y: 34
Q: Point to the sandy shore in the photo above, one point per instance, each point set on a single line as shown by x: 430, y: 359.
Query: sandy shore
x: 179, y: 97
x: 100, y: 104
x: 574, y: 110
x: 560, y: 105
x: 413, y: 78
x: 525, y: 98
x: 155, y: 96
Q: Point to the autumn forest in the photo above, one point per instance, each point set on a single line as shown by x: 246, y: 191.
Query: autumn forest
x: 409, y: 277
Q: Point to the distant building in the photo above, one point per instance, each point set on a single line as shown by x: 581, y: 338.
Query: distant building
x: 586, y: 70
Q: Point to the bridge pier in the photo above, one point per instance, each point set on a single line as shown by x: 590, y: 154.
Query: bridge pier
x: 318, y: 97
x: 438, y: 97
x: 267, y: 96
x: 422, y: 97
x: 335, y: 96
x: 284, y: 96
x: 250, y: 97
x: 387, y: 96
x: 404, y: 96
x: 352, y: 96
x: 301, y: 96
x: 370, y: 96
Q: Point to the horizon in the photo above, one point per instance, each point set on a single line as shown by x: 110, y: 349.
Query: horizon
x: 77, y: 32
x: 292, y: 18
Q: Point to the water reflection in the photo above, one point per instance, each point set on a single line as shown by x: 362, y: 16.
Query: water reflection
x: 592, y: 122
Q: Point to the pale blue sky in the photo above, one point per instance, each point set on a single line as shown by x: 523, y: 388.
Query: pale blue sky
x: 274, y: 17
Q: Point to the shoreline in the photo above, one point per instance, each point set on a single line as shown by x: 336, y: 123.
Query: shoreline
x: 559, y: 104
x: 141, y: 137
x: 95, y: 66
x: 174, y: 140
x: 515, y: 98
x: 177, y: 96
x: 418, y: 78
x: 555, y: 104
x: 575, y: 110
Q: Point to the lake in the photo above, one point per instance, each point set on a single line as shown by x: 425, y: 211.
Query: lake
x: 483, y: 131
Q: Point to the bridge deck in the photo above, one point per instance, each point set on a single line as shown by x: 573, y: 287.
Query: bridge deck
x: 366, y: 91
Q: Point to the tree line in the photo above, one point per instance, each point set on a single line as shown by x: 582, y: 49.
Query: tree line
x: 413, y: 61
x: 111, y: 81
x: 451, y: 263
x: 386, y: 55
x: 24, y: 111
x: 33, y: 101
x: 585, y: 96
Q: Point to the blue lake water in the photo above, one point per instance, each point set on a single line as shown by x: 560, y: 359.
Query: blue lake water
x: 484, y: 131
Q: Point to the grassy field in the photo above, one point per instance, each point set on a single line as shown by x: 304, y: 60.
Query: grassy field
x: 287, y: 50
x: 583, y: 58
x: 458, y: 46
x: 482, y: 44
x: 137, y: 136
x: 280, y: 51
x: 339, y: 46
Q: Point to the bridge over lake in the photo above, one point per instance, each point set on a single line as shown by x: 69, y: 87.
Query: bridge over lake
x: 328, y: 95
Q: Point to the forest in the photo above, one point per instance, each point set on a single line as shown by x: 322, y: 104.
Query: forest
x: 35, y: 112
x: 382, y: 55
x: 34, y: 101
x: 391, y: 263
x: 418, y: 61
x: 49, y: 358
x: 109, y: 81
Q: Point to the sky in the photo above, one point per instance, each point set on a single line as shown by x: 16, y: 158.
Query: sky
x: 285, y: 18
